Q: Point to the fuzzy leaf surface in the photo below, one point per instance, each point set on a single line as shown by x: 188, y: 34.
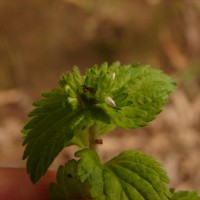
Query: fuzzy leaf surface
x: 139, y: 93
x: 131, y: 175
x: 185, y: 195
x: 54, y: 123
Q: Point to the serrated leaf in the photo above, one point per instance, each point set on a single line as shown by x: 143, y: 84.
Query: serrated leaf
x: 73, y: 80
x: 57, y: 119
x: 139, y: 93
x: 185, y: 195
x: 130, y: 176
x: 139, y: 177
x: 54, y: 123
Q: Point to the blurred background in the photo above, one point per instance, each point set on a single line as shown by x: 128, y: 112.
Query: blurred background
x: 39, y: 40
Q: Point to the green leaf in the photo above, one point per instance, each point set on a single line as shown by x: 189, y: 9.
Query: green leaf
x: 185, y: 195
x: 54, y: 123
x: 58, y: 120
x: 139, y: 93
x: 72, y: 178
x: 131, y: 175
x: 69, y: 186
x: 137, y: 176
x: 73, y: 80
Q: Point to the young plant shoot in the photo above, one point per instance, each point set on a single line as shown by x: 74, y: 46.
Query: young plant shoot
x: 81, y: 109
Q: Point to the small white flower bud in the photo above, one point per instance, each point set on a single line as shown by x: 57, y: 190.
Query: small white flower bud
x: 110, y: 101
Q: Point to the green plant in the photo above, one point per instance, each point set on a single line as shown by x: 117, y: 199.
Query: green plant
x: 82, y: 109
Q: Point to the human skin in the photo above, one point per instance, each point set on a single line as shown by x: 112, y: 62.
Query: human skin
x: 16, y: 185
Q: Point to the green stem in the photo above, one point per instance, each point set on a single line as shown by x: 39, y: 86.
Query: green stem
x: 92, y: 137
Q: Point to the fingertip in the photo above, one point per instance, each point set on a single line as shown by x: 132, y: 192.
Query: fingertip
x: 15, y: 184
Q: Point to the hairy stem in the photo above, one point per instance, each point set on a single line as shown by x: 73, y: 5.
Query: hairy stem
x: 92, y: 137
